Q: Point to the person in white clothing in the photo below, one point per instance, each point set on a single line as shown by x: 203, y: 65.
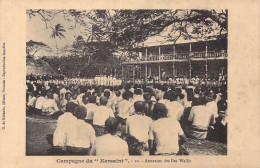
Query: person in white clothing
x: 49, y: 106
x: 200, y: 118
x: 79, y: 135
x: 175, y: 109
x: 165, y: 99
x: 102, y: 113
x: 110, y: 144
x: 64, y: 101
x: 63, y: 124
x: 90, y: 106
x: 213, y: 104
x: 138, y: 95
x: 164, y: 133
x: 138, y: 124
x: 32, y: 100
x: 39, y: 102
x: 124, y: 107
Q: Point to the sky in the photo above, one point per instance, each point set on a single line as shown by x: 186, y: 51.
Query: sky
x: 36, y: 31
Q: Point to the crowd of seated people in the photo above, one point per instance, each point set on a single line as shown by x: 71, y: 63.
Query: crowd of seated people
x: 155, y: 120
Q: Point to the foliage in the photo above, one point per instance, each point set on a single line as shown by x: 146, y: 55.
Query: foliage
x: 127, y: 27
x: 109, y: 35
x: 56, y: 32
x: 32, y: 47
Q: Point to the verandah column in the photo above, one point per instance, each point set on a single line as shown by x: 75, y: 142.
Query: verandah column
x: 145, y: 80
x: 133, y: 74
x: 173, y: 69
x: 159, y: 53
x: 206, y: 66
x: 190, y: 62
x: 159, y: 70
x: 146, y: 59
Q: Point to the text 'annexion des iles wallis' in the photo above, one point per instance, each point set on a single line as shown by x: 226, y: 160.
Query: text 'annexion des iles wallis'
x: 170, y: 160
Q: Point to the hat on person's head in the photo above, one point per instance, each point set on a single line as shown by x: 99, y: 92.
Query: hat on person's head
x: 80, y: 112
x: 70, y: 106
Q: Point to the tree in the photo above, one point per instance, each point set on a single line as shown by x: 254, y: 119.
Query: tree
x: 127, y: 27
x: 78, y: 45
x: 32, y: 47
x: 56, y: 32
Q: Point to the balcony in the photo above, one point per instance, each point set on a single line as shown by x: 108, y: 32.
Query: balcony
x: 220, y: 54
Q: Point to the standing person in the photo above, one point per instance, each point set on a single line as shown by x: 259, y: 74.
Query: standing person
x: 138, y: 124
x: 101, y: 114
x: 109, y: 144
x: 164, y: 133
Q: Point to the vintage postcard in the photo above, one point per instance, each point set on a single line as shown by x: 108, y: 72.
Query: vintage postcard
x: 129, y: 83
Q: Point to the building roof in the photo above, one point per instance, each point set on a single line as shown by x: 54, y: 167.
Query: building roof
x: 162, y: 41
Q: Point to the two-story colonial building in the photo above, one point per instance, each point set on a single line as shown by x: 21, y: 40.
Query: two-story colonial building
x: 182, y: 59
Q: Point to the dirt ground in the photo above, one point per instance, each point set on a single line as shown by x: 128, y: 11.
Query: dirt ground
x: 39, y: 128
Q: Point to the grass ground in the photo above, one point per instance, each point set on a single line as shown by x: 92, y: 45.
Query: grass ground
x: 38, y: 128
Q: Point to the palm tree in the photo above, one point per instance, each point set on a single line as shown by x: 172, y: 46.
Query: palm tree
x: 56, y: 32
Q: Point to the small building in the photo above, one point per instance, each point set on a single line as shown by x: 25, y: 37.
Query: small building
x: 182, y: 59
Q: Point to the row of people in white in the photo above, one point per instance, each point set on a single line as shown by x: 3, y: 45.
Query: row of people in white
x: 137, y: 125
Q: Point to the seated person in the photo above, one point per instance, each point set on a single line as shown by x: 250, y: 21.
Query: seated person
x: 63, y: 123
x: 124, y: 108
x: 164, y: 133
x: 90, y: 105
x: 200, y: 118
x: 175, y: 109
x: 101, y: 114
x: 78, y: 136
x: 148, y: 104
x: 39, y: 102
x: 49, y: 107
x: 138, y: 124
x: 109, y: 144
x: 220, y: 128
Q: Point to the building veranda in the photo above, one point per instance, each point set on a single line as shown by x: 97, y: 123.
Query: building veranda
x: 180, y: 62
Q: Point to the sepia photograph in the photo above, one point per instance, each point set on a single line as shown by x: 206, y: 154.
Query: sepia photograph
x: 123, y: 82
